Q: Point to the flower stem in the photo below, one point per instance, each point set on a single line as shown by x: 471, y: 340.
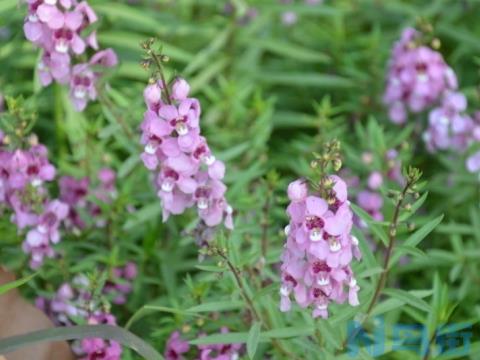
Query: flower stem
x: 383, y: 277
x: 238, y: 280
x: 158, y: 62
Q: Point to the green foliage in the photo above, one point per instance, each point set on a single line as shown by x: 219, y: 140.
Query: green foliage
x: 271, y: 96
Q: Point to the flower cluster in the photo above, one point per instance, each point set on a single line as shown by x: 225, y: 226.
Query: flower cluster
x: 219, y: 351
x: 58, y: 28
x: 448, y: 126
x: 417, y: 77
x: 75, y: 301
x: 319, y: 248
x: 186, y: 172
x: 121, y: 283
x: 97, y: 348
x: 75, y: 193
x: 23, y: 174
x: 176, y: 347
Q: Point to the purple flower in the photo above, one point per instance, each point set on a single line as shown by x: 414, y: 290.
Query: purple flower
x: 448, y: 126
x: 100, y: 349
x: 417, y: 77
x: 319, y: 248
x: 186, y: 171
x: 220, y: 351
x: 473, y: 162
x: 82, y: 86
x: 375, y: 180
x: 372, y: 203
x: 176, y: 347
x: 58, y: 29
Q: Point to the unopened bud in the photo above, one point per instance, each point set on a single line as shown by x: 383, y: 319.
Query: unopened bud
x: 337, y: 164
x: 186, y: 328
x: 393, y: 231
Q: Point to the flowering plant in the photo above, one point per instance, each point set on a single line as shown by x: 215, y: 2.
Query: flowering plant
x: 293, y: 179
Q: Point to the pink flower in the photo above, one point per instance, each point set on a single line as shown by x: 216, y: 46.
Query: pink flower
x: 417, y: 77
x: 220, y: 351
x: 186, y: 171
x: 372, y: 203
x: 176, y: 347
x: 473, y: 162
x: 375, y: 180
x: 82, y: 86
x: 319, y: 248
x: 58, y: 29
x: 297, y: 191
x: 449, y: 127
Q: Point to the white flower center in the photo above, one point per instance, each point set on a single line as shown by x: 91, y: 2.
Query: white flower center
x: 284, y: 291
x: 322, y: 307
x: 167, y: 186
x: 353, y: 282
x: 33, y: 18
x: 36, y: 182
x: 50, y: 2
x: 181, y: 128
x: 42, y: 229
x: 202, y: 203
x: 323, y: 281
x: 80, y: 92
x: 61, y: 46
x: 315, y: 235
x: 334, y: 245
x: 209, y: 159
x: 422, y: 77
x: 150, y: 149
x: 287, y: 230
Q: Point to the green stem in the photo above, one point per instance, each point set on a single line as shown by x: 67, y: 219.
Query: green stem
x: 158, y: 62
x: 383, y: 277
